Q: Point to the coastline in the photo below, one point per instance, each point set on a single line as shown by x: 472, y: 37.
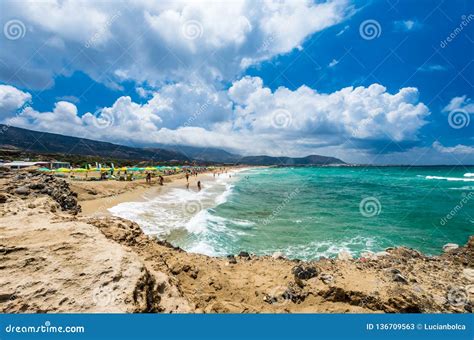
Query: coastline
x: 58, y: 260
x: 111, y: 193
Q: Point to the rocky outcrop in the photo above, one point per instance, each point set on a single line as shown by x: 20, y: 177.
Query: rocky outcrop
x: 56, y: 261
x: 32, y: 184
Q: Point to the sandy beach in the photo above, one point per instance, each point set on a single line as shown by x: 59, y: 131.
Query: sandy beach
x: 56, y: 258
x: 96, y: 197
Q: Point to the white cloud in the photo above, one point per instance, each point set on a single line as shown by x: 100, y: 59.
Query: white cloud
x: 406, y: 25
x: 460, y: 103
x: 156, y: 42
x: 248, y: 118
x: 458, y: 149
x: 12, y: 99
x: 432, y: 68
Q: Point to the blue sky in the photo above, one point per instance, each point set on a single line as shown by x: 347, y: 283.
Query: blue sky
x: 368, y: 81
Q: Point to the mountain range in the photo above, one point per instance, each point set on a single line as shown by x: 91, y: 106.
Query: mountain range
x: 16, y: 141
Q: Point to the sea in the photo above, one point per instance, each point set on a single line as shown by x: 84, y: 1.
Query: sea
x: 310, y: 212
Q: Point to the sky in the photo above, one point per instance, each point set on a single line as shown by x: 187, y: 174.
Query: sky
x: 372, y: 82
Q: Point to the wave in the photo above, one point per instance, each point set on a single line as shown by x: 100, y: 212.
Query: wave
x: 453, y: 179
x: 465, y: 188
x: 469, y: 174
x: 329, y: 248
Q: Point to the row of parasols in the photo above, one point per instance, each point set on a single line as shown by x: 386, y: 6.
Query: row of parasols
x: 128, y: 169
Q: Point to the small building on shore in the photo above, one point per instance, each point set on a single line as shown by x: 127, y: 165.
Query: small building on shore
x: 17, y: 165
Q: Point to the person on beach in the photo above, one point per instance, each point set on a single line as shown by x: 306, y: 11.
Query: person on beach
x: 187, y: 177
x: 161, y: 180
x: 148, y: 177
x: 199, y: 185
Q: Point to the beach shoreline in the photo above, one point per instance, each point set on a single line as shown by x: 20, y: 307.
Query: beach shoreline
x: 55, y: 259
x: 108, y: 194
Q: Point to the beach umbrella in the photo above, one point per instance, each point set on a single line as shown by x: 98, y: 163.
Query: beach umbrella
x: 149, y: 168
x: 132, y: 169
x: 79, y: 170
x: 63, y: 170
x: 44, y: 169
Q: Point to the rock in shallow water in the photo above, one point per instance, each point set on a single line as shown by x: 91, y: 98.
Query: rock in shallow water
x: 450, y: 246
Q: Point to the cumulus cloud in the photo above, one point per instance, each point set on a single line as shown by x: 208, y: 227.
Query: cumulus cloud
x: 458, y: 149
x: 12, y: 99
x: 284, y: 121
x: 155, y: 42
x: 460, y: 103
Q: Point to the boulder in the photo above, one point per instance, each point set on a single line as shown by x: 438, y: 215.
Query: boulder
x: 399, y: 278
x: 231, y: 259
x: 244, y: 254
x: 450, y: 246
x: 303, y: 272
x: 23, y: 190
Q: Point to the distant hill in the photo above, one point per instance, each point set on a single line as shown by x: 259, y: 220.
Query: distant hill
x: 203, y: 154
x: 22, y: 142
x: 222, y: 156
x: 290, y: 161
x: 51, y: 143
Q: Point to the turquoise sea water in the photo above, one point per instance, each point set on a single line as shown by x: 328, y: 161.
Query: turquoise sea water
x: 310, y: 212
